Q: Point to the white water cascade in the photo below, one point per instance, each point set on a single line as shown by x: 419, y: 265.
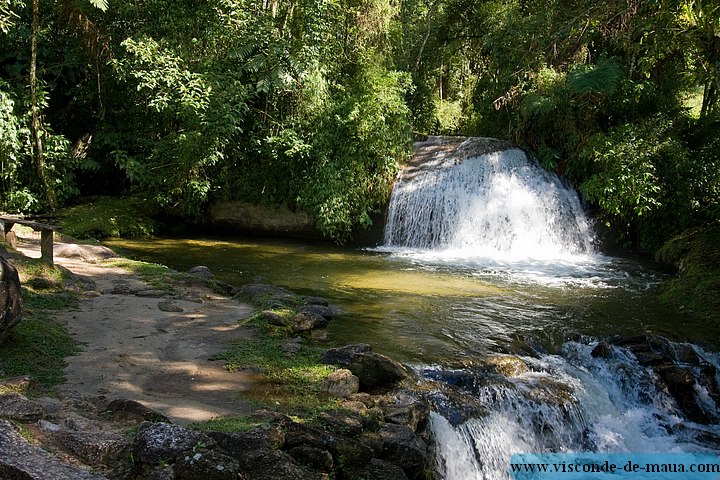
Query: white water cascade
x: 461, y: 202
x: 486, y: 209
x: 572, y: 403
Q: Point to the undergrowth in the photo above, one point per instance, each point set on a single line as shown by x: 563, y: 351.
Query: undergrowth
x: 37, y: 346
x: 294, y: 379
x: 125, y: 217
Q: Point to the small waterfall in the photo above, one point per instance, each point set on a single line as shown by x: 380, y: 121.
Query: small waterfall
x: 575, y: 402
x: 459, y: 197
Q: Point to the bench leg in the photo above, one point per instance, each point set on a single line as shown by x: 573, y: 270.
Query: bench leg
x: 5, y: 228
x: 10, y: 239
x: 46, y: 245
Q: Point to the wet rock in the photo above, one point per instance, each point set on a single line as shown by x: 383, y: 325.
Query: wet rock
x: 405, y: 409
x: 343, y: 356
x: 314, y: 458
x: 341, y: 383
x: 456, y: 407
x: 15, y: 406
x: 321, y: 310
x: 273, y: 465
x: 376, y: 371
x: 201, y: 271
x: 132, y: 410
x: 601, y: 350
x: 507, y: 365
x: 93, y: 448
x: 22, y: 461
x: 315, y: 301
x: 402, y: 447
x: 377, y: 469
x: 10, y: 298
x: 208, y: 465
x: 161, y: 442
x: 680, y: 382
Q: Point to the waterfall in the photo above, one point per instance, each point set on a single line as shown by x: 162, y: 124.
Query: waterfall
x: 459, y: 198
x: 573, y: 402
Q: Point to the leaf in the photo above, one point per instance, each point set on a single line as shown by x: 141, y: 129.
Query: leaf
x: 101, y: 4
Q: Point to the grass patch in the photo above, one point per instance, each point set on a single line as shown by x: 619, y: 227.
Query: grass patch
x: 295, y: 379
x: 102, y: 217
x: 37, y: 346
x: 228, y: 424
x: 696, y: 290
x: 157, y: 276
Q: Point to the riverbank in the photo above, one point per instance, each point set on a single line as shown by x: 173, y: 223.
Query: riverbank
x: 695, y: 257
x: 145, y: 371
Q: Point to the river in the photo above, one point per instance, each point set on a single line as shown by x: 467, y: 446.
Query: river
x: 488, y: 256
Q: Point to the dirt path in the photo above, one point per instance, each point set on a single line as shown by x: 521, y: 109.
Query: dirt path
x: 132, y: 349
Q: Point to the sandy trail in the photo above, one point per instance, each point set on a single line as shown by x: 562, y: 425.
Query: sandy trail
x: 134, y: 350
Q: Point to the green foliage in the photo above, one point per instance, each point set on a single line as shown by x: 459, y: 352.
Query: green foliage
x: 125, y: 217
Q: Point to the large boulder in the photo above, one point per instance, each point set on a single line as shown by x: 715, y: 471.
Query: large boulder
x: 20, y: 460
x: 10, y: 299
x: 377, y: 371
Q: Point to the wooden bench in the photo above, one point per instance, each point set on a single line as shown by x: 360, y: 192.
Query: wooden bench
x: 7, y: 222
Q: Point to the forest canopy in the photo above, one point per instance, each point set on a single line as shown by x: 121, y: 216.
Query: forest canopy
x: 313, y: 105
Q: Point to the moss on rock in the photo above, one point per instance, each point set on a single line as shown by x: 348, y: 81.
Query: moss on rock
x: 695, y: 256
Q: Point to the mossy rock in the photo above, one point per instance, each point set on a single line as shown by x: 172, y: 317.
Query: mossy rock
x: 695, y: 255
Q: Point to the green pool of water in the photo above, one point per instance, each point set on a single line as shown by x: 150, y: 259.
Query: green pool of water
x: 435, y: 312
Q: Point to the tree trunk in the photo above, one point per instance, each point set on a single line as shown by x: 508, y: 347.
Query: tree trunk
x: 35, y: 124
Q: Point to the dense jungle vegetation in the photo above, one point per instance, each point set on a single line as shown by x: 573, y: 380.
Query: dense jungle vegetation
x: 313, y: 104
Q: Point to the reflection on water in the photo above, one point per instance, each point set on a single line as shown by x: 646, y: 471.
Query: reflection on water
x: 425, y: 310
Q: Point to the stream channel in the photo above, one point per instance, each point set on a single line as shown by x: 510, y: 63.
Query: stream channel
x: 455, y: 294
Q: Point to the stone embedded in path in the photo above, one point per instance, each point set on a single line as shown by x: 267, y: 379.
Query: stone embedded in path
x: 10, y: 299
x: 20, y: 460
x: 169, y: 306
x: 150, y: 293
